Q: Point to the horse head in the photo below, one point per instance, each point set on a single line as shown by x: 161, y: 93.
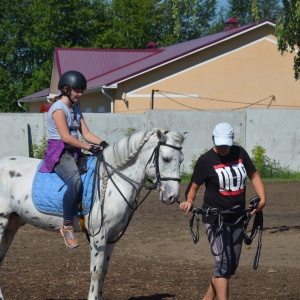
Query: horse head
x: 155, y: 155
x: 163, y: 167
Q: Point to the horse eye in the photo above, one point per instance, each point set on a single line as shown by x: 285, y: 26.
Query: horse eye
x: 166, y: 159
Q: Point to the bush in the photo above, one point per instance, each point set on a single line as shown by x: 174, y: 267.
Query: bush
x: 38, y: 150
x: 130, y: 131
x: 270, y: 168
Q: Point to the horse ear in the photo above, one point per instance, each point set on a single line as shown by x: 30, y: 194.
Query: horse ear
x: 161, y: 136
x: 185, y: 134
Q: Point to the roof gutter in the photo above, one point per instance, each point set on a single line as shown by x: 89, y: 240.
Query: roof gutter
x: 110, y: 98
x: 22, y: 106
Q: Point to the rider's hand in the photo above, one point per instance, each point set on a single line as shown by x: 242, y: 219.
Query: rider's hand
x: 103, y: 145
x: 186, y: 206
x: 95, y: 150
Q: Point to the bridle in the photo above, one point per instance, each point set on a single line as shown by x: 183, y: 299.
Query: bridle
x: 134, y: 184
x: 155, y: 157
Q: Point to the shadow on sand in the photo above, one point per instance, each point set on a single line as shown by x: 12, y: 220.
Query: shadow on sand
x: 153, y: 297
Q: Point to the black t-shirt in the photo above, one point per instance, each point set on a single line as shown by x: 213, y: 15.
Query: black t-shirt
x: 224, y: 177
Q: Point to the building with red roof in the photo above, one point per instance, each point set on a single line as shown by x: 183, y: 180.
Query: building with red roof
x: 236, y: 68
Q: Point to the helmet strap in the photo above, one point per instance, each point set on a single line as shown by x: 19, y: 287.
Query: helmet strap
x: 66, y: 91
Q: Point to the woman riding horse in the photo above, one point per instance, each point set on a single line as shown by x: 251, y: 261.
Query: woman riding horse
x: 64, y: 147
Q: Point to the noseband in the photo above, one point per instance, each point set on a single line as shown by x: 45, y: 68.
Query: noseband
x: 155, y: 157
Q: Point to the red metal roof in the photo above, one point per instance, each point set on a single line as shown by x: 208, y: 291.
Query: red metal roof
x: 104, y: 67
x: 152, y: 45
x: 169, y: 54
x: 41, y: 95
x: 98, y: 62
x: 232, y: 20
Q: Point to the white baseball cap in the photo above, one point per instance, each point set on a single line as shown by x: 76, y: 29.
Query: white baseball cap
x: 223, y: 135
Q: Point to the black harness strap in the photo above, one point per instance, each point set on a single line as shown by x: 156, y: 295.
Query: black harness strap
x: 220, y: 222
x: 258, y: 225
x: 245, y: 216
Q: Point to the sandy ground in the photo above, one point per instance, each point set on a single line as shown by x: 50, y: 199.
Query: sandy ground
x: 156, y: 258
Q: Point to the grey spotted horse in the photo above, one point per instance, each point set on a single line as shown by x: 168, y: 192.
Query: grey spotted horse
x: 128, y: 164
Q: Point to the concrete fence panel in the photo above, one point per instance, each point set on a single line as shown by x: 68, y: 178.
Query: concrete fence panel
x: 276, y: 130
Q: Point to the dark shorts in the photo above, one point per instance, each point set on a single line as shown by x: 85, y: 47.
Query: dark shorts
x: 227, y: 246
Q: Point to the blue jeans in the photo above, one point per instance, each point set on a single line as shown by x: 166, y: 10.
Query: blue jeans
x: 67, y: 170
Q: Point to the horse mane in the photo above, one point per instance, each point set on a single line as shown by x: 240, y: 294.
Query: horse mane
x: 121, y: 152
x: 177, y: 136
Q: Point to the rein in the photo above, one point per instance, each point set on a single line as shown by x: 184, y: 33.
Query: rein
x: 245, y: 217
x: 258, y: 225
x: 134, y: 184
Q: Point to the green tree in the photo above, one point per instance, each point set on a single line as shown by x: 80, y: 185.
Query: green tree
x: 240, y: 9
x: 253, y: 11
x: 197, y: 18
x: 186, y: 19
x: 288, y: 32
x: 29, y: 32
x: 262, y: 9
x: 131, y: 24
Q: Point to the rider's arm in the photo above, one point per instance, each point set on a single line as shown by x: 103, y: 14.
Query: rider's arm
x: 62, y: 127
x: 87, y: 135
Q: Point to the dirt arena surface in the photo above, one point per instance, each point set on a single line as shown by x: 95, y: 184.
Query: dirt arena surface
x: 156, y: 258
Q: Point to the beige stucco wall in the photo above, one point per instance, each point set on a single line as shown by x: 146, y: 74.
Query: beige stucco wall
x: 54, y: 77
x: 34, y: 107
x: 244, y: 71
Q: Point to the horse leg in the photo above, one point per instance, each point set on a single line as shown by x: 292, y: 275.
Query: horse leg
x: 100, y: 257
x: 9, y: 226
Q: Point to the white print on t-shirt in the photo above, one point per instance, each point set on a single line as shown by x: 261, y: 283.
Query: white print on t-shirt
x: 232, y: 177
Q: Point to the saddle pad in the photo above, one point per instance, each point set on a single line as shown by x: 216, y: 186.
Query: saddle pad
x: 48, y: 190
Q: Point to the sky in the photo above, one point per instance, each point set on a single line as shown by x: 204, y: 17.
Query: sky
x: 222, y: 2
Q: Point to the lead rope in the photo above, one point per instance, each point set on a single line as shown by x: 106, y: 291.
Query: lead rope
x: 211, y: 211
x: 257, y: 226
x: 245, y: 216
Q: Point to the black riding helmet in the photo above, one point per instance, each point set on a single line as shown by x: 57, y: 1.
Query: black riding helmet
x: 72, y: 79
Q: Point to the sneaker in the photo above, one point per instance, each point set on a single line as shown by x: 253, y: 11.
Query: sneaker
x: 67, y: 232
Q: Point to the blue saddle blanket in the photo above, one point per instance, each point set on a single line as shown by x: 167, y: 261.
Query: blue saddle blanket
x: 48, y: 190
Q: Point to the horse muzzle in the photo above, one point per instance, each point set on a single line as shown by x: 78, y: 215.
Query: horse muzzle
x: 169, y: 195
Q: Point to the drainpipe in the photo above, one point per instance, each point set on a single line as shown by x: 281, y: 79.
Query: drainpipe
x: 22, y: 106
x: 111, y: 100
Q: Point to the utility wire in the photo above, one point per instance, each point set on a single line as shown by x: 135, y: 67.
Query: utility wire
x: 256, y: 103
x: 248, y: 104
x: 177, y: 101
